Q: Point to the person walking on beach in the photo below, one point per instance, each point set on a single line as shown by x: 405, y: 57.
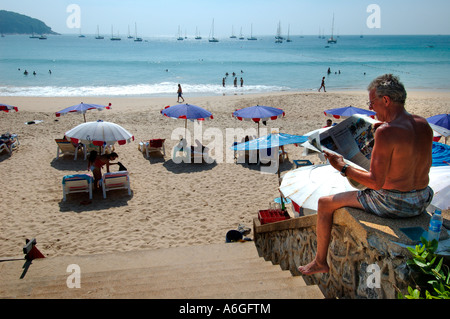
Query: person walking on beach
x: 180, y: 93
x: 397, y: 182
x: 242, y: 82
x: 322, y: 85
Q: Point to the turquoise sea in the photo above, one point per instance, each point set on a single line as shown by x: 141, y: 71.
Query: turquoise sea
x: 153, y: 67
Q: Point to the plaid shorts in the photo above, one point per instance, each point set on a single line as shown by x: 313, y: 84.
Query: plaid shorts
x: 395, y: 204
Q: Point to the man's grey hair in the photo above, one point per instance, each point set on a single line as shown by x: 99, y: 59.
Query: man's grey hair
x: 389, y: 85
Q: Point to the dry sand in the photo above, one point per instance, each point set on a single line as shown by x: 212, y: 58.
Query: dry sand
x: 171, y: 204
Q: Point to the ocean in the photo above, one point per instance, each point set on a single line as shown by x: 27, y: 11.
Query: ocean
x: 154, y: 67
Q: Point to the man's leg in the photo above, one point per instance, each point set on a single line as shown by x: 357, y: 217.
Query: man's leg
x: 327, y: 206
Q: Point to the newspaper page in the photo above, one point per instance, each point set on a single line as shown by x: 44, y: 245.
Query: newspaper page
x: 353, y: 138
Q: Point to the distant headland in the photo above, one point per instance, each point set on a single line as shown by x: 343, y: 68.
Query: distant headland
x: 15, y: 23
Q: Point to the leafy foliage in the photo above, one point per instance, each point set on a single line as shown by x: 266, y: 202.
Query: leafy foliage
x: 433, y: 275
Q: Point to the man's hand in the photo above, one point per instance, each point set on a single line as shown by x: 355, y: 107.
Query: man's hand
x: 336, y: 160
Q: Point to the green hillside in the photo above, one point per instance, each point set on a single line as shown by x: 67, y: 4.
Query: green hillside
x: 15, y: 23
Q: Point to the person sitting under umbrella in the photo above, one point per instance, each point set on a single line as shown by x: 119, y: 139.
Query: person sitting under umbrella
x: 96, y: 163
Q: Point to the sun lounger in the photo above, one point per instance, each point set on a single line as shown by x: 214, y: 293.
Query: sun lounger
x: 115, y: 180
x: 78, y: 183
x: 153, y: 146
x: 66, y: 147
x: 9, y: 142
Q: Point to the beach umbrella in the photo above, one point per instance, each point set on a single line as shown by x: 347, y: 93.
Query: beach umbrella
x: 441, y: 124
x: 187, y: 112
x: 258, y: 113
x: 442, y: 120
x: 83, y: 108
x: 7, y: 108
x: 305, y: 185
x: 347, y: 112
x: 100, y: 133
x: 270, y: 141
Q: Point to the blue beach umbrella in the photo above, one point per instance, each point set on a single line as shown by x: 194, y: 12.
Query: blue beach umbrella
x: 270, y: 141
x: 441, y: 124
x: 187, y: 112
x: 82, y: 108
x: 348, y: 111
x: 258, y: 113
x: 442, y: 120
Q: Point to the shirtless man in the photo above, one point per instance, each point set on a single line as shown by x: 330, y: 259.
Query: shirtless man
x: 397, y: 183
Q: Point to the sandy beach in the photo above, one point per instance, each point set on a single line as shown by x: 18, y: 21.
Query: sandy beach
x: 171, y: 204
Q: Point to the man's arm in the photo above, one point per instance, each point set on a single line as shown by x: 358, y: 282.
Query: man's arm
x: 379, y: 165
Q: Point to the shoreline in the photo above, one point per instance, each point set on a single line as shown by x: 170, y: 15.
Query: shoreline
x: 40, y: 104
x: 172, y: 205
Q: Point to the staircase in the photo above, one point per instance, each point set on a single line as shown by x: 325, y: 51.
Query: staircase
x: 217, y: 271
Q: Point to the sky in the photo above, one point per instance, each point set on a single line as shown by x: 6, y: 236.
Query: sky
x: 302, y: 17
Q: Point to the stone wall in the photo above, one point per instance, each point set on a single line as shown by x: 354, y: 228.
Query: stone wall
x: 364, y: 256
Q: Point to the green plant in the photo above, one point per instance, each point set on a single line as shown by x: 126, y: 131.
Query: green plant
x: 432, y: 275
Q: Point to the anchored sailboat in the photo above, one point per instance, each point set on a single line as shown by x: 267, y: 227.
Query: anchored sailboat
x: 232, y: 33
x: 99, y: 37
x: 113, y: 38
x: 241, y: 36
x: 197, y: 34
x: 278, y: 37
x: 180, y: 38
x: 252, y: 38
x: 136, y: 38
x: 288, y: 38
x: 212, y: 39
x: 331, y: 39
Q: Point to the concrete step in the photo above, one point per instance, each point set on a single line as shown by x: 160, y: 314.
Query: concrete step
x: 211, y: 271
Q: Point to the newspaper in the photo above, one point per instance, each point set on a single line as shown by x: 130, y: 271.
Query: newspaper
x: 353, y: 138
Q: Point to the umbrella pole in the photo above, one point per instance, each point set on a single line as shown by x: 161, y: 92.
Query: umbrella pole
x: 84, y: 115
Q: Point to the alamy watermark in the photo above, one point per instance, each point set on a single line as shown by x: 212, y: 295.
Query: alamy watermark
x: 74, y: 279
x: 374, y: 19
x: 74, y: 19
x: 374, y: 279
x: 191, y: 148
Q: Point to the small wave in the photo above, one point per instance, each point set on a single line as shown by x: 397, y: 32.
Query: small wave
x: 161, y: 89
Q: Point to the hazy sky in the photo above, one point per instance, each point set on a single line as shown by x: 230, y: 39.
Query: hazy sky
x: 162, y: 17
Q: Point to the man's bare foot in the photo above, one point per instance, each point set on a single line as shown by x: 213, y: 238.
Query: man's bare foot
x: 313, y: 268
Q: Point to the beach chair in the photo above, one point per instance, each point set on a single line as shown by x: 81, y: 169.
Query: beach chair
x: 9, y: 142
x: 199, y: 153
x: 302, y: 163
x: 153, y: 146
x: 66, y: 147
x: 78, y: 183
x: 87, y: 148
x: 283, y: 155
x: 115, y: 180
